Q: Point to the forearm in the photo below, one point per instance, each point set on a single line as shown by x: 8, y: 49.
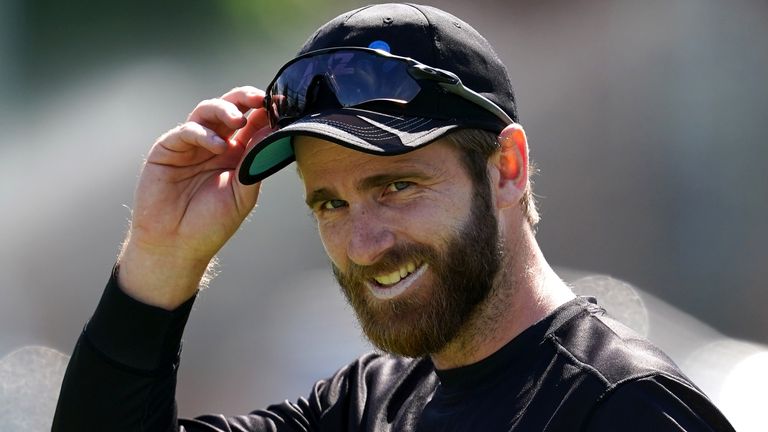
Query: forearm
x: 160, y: 276
x: 188, y: 203
x: 122, y: 374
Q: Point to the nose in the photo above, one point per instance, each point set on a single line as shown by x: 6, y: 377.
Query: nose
x: 370, y: 237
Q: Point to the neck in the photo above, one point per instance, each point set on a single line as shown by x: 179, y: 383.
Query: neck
x: 526, y: 291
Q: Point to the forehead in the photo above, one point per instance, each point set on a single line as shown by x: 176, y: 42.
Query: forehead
x: 318, y: 159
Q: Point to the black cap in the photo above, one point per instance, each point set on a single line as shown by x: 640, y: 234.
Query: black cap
x: 424, y: 33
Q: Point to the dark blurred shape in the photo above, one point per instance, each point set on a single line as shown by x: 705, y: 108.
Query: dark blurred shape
x: 57, y: 40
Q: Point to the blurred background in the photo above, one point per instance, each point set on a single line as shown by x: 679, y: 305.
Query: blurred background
x: 646, y: 120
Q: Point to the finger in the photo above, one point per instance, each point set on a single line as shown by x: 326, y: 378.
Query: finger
x: 245, y: 98
x: 257, y: 120
x: 218, y: 115
x: 176, y: 147
x: 245, y: 195
x: 255, y: 131
x: 225, y: 115
x: 253, y: 141
x: 198, y: 135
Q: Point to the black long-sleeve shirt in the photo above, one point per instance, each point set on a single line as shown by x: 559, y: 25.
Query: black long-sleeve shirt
x: 576, y: 370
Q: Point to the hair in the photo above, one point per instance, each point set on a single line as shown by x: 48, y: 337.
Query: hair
x: 477, y: 146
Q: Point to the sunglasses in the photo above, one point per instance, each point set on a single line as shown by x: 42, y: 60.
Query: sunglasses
x: 356, y: 76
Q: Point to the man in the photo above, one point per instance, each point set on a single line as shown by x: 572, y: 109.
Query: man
x: 403, y: 124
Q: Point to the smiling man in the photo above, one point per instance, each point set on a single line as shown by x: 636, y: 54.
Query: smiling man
x: 414, y: 243
x: 403, y: 125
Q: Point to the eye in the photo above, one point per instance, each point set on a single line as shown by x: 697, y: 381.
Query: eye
x: 398, y: 186
x: 332, y: 204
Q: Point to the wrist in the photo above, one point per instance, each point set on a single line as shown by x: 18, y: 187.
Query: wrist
x: 159, y: 277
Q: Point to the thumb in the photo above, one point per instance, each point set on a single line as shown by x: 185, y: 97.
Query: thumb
x: 247, y: 195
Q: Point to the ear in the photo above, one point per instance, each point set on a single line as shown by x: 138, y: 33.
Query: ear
x: 512, y: 164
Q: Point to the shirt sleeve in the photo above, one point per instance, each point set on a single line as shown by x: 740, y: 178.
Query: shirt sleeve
x: 657, y: 403
x: 122, y: 373
x: 122, y: 377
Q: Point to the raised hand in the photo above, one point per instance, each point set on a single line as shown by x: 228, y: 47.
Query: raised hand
x: 188, y: 201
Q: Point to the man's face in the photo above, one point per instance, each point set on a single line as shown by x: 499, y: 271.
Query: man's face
x: 413, y: 242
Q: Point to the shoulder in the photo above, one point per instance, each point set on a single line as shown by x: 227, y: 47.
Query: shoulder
x: 608, y: 349
x: 642, y: 388
x: 353, y: 398
x: 657, y: 403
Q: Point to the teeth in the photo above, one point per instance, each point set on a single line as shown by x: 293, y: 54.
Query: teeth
x: 397, y: 275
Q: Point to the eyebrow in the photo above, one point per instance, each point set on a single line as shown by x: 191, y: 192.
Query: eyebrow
x: 371, y: 182
x: 317, y: 196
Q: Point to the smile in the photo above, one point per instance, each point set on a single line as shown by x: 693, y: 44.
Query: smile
x: 390, y: 285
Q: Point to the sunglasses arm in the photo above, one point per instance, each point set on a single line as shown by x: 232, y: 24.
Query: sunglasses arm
x: 470, y: 95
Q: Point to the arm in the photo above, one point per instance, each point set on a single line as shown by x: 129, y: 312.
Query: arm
x: 188, y: 201
x: 122, y: 374
x: 122, y: 377
x: 187, y: 204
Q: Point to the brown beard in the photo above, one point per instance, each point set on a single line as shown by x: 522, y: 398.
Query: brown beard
x: 425, y: 321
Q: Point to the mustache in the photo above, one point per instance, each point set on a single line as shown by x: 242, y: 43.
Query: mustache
x: 391, y: 261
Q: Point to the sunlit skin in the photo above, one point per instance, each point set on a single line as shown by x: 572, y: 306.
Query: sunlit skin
x: 188, y: 201
x: 188, y: 204
x: 365, y: 205
x: 408, y: 282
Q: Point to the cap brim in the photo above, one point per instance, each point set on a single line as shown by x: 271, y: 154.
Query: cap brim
x: 361, y: 130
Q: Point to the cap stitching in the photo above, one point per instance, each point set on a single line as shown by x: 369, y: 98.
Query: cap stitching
x: 369, y: 134
x: 410, y: 124
x: 407, y: 126
x: 437, y: 51
x: 432, y: 33
x: 355, y: 12
x: 363, y: 132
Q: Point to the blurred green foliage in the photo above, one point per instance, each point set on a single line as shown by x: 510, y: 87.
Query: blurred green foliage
x: 58, y: 38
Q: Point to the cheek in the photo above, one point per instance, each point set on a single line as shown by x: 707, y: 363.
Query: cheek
x: 334, y: 243
x: 430, y: 219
